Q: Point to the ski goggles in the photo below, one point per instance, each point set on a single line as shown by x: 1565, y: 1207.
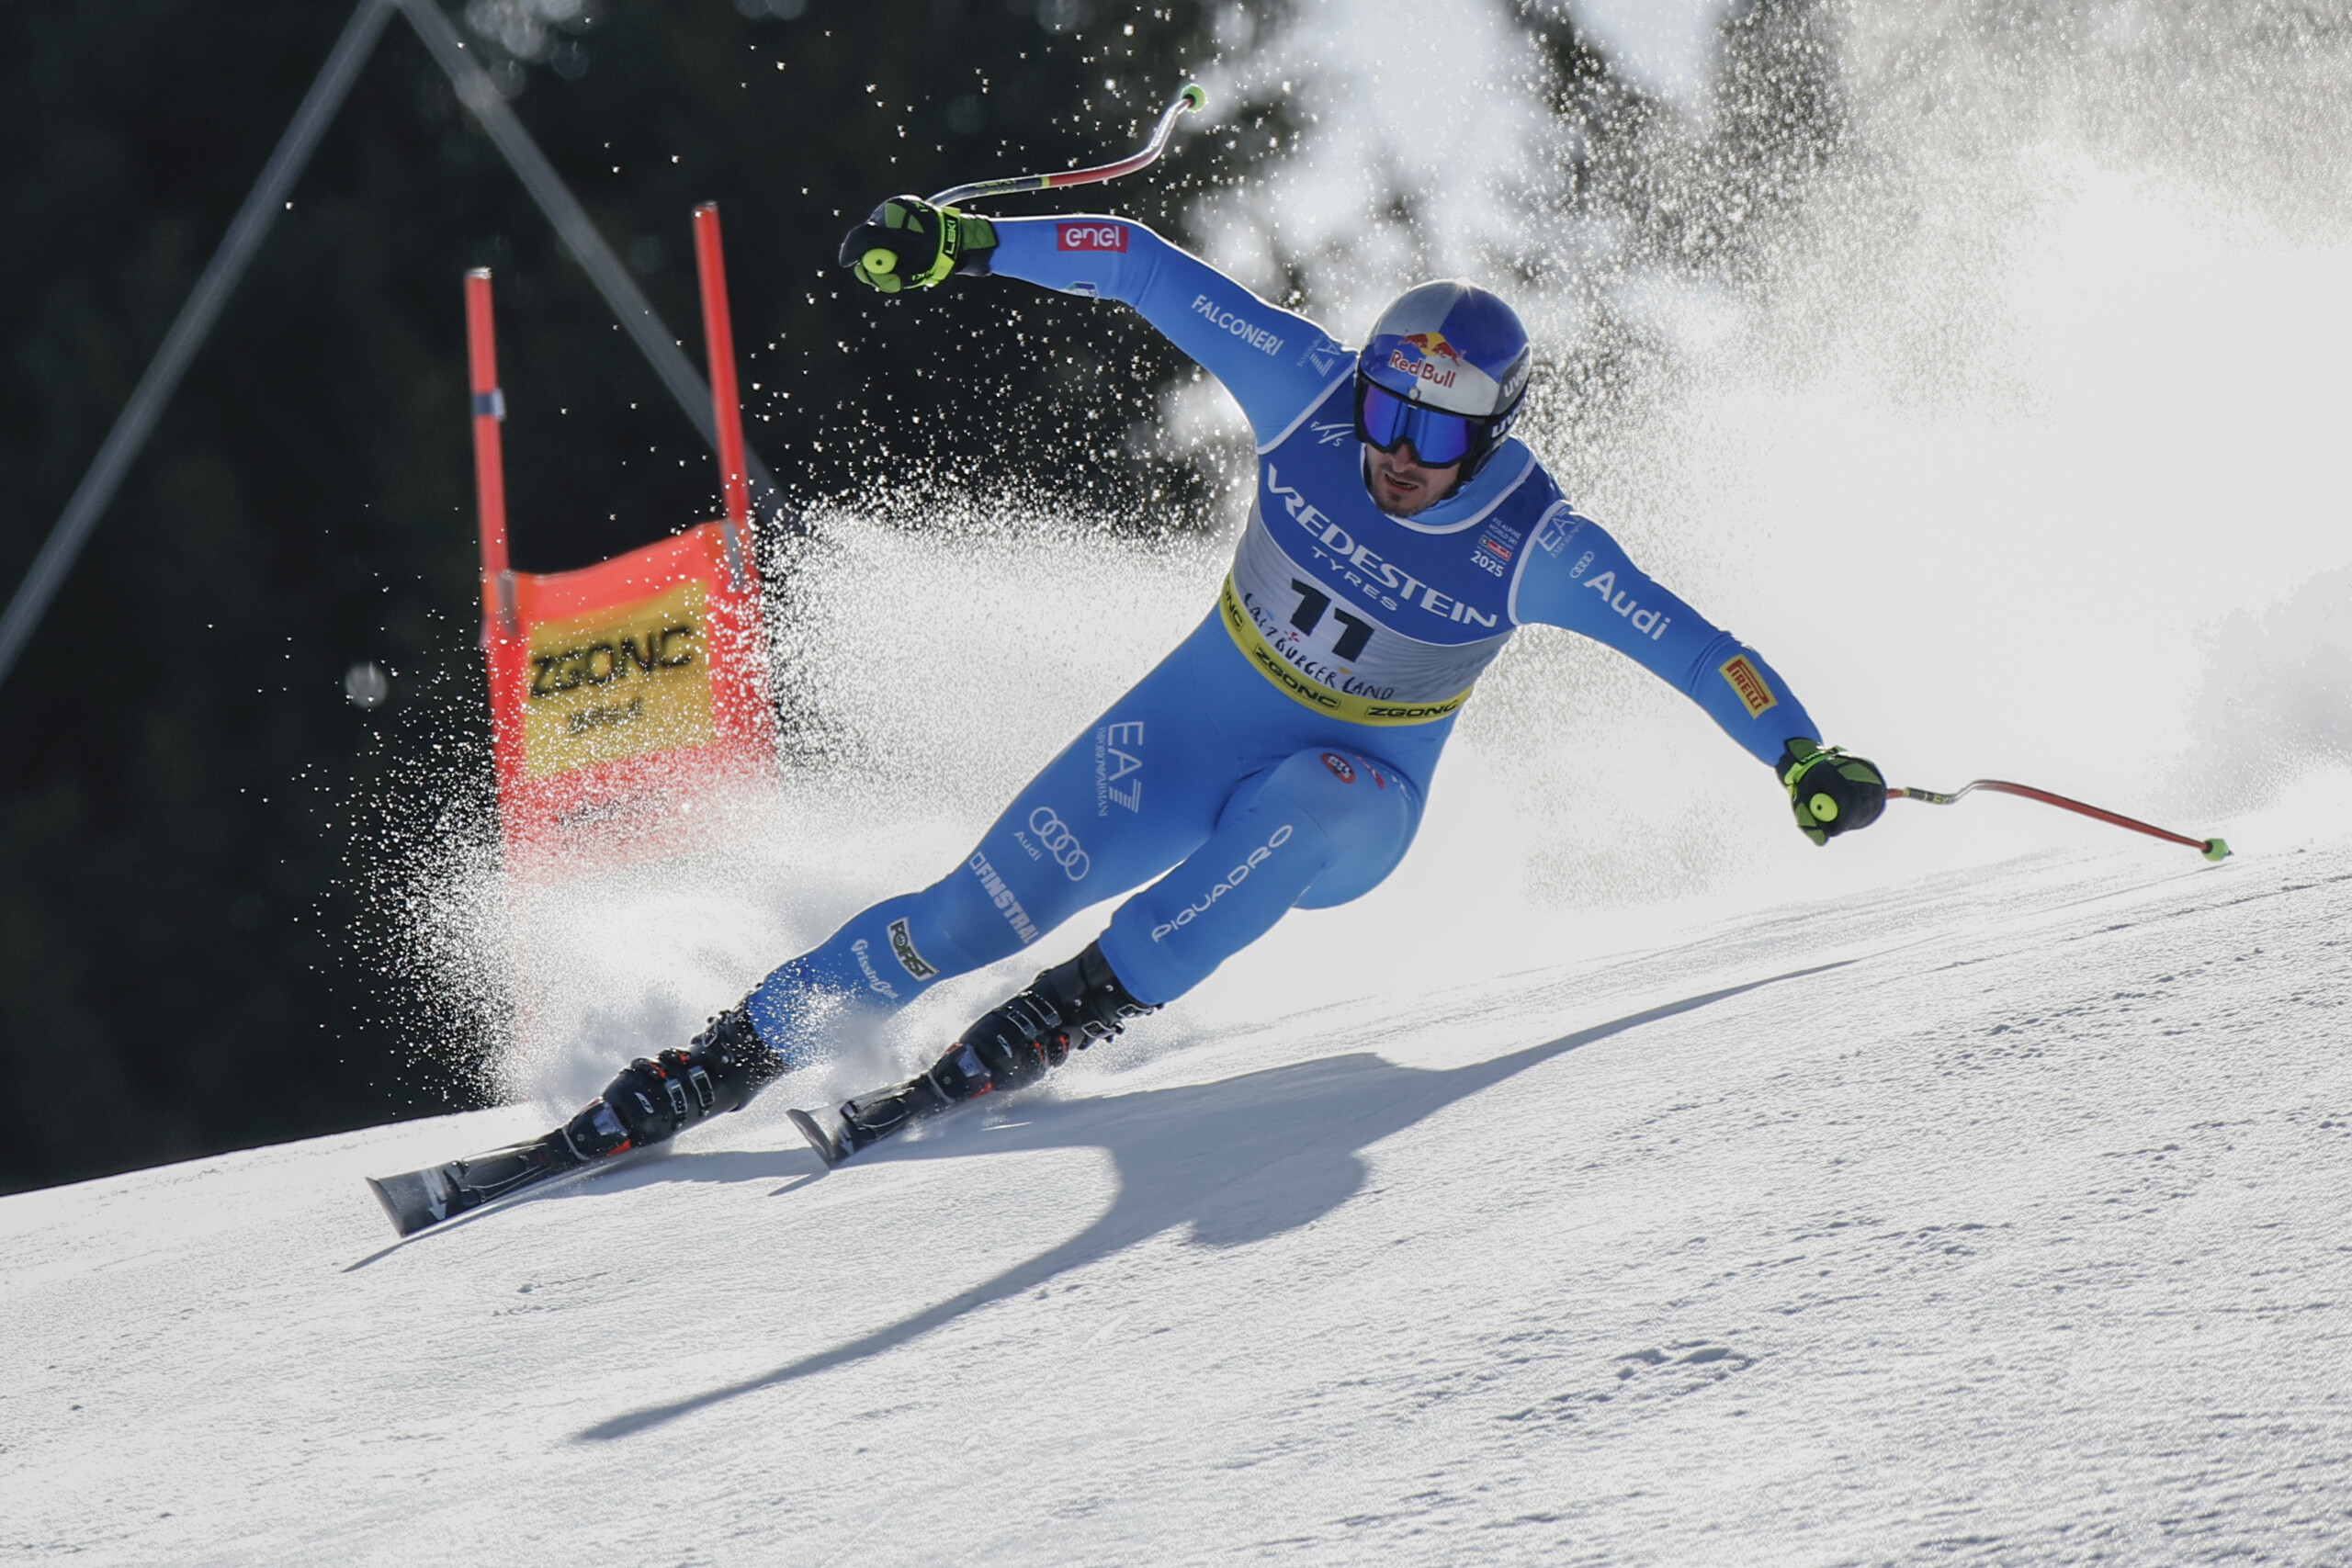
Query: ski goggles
x: 1385, y: 421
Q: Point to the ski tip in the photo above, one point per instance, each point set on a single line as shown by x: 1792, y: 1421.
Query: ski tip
x: 405, y: 1201
x: 2217, y: 849
x: 827, y: 1150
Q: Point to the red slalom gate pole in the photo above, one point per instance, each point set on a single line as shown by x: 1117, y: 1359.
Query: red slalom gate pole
x: 2212, y: 848
x: 718, y: 341
x: 490, y: 460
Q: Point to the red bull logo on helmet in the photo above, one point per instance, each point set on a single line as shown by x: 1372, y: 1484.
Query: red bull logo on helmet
x: 1434, y: 346
x: 1433, y: 359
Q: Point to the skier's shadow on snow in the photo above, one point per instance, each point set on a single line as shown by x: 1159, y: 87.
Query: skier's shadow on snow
x: 1238, y: 1161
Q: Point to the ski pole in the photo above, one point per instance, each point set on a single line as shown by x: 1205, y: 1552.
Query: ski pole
x: 2213, y: 848
x: 1192, y: 98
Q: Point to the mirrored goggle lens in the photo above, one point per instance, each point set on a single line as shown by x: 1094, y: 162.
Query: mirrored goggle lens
x: 1388, y: 422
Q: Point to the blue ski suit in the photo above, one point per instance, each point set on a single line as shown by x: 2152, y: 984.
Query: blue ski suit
x: 1280, y: 756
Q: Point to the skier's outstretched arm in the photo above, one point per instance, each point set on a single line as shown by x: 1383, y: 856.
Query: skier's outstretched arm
x: 1573, y: 574
x: 1274, y: 362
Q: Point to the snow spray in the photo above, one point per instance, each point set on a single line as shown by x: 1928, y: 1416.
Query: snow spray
x: 1975, y: 362
x: 1979, y: 365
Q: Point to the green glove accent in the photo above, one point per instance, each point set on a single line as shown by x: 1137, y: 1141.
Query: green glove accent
x: 909, y: 243
x: 1831, y: 792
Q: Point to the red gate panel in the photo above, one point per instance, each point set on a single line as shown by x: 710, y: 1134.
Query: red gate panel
x: 621, y: 693
x: 627, y: 688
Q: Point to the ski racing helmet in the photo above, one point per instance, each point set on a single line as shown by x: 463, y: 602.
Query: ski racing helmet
x: 1445, y: 368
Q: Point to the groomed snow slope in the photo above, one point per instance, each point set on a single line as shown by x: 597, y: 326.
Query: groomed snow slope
x: 2001, y: 1218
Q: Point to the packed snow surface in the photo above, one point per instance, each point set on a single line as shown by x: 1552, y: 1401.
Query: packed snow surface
x: 1997, y: 1217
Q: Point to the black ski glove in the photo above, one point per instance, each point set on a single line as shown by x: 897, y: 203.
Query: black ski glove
x: 1831, y: 792
x: 909, y: 243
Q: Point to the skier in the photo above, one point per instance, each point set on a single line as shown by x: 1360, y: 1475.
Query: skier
x: 1279, y: 758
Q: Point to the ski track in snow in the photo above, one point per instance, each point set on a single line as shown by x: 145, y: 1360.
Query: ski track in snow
x: 1998, y: 1219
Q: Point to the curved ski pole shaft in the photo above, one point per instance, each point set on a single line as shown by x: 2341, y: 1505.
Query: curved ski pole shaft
x: 1192, y: 98
x: 2212, y: 848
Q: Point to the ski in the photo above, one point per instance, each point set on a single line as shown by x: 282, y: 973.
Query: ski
x: 654, y: 1099
x: 862, y: 1122
x: 417, y: 1200
x: 829, y: 1149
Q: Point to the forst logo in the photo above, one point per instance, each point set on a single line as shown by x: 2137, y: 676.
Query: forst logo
x: 902, y: 945
x: 1093, y: 236
x: 1426, y: 350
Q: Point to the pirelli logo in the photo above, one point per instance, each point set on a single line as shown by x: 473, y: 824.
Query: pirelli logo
x: 1749, y: 685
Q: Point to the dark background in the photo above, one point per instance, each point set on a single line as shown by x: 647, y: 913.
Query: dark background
x: 189, y: 804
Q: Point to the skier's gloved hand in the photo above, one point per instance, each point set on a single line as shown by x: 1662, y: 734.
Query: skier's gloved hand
x: 910, y: 243
x: 1831, y: 792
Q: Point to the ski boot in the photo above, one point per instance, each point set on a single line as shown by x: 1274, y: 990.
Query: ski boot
x: 720, y: 1069
x: 655, y: 1098
x: 1066, y: 1007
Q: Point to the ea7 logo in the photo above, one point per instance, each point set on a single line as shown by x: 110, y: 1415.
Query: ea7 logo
x: 1093, y: 236
x: 1115, y: 749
